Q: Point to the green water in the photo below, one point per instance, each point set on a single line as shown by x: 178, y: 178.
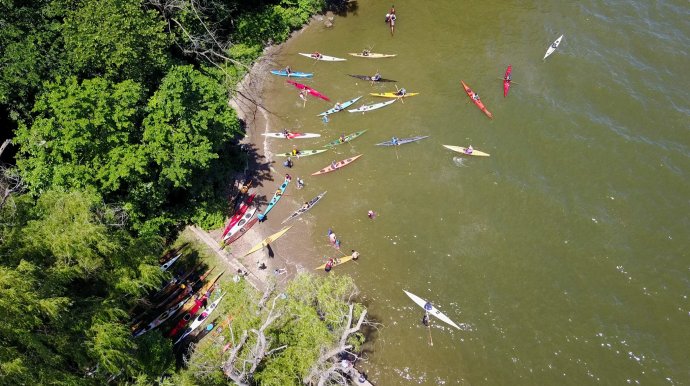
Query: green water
x: 565, y: 254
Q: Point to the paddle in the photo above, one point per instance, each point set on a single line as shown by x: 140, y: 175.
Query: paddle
x: 400, y: 98
x: 431, y: 341
x: 372, y: 78
x: 511, y: 82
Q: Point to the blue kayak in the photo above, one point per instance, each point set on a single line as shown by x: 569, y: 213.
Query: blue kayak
x: 402, y: 141
x: 294, y: 74
x: 342, y: 107
x: 278, y: 194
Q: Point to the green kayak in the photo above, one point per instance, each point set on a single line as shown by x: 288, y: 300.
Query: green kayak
x: 347, y: 138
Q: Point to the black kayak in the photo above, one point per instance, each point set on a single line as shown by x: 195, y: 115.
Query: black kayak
x: 368, y: 78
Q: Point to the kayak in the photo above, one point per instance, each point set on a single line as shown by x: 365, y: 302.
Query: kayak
x: 375, y: 106
x: 463, y: 150
x: 477, y: 102
x: 372, y: 55
x: 302, y: 153
x: 190, y: 314
x: 347, y: 138
x: 292, y: 135
x: 169, y: 263
x: 342, y: 107
x: 553, y: 47
x: 506, y: 81
x: 338, y: 165
x: 236, y: 228
x: 276, y: 196
x: 295, y: 74
x: 241, y: 230
x: 200, y: 319
x: 369, y: 79
x: 238, y: 215
x: 324, y: 58
x: 303, y: 209
x: 268, y: 240
x: 403, y: 141
x: 393, y: 95
x: 338, y: 262
x: 433, y: 311
x: 309, y: 89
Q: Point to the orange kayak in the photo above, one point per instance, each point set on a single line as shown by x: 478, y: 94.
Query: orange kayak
x: 477, y: 101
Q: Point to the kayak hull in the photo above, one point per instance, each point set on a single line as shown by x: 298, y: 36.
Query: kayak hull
x: 338, y: 262
x: 343, y: 106
x: 462, y: 150
x: 375, y: 106
x: 240, y: 224
x: 506, y: 82
x: 435, y: 312
x: 302, y: 153
x: 477, y: 102
x: 324, y: 58
x: 338, y: 165
x: 292, y: 135
x: 294, y: 74
x: 242, y: 230
x: 302, y: 210
x: 311, y: 91
x: 347, y: 138
x: 369, y: 79
x: 238, y: 216
x: 372, y: 55
x: 275, y: 199
x: 403, y: 141
x: 553, y: 47
x: 268, y: 240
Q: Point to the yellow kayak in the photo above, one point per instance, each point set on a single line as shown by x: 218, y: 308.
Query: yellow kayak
x: 393, y: 95
x: 464, y: 151
x: 268, y: 240
x: 339, y: 261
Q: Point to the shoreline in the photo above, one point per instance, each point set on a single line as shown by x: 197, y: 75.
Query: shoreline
x: 294, y: 251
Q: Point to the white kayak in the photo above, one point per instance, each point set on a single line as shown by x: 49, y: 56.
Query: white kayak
x: 342, y: 107
x: 245, y: 218
x: 199, y: 319
x: 324, y: 58
x: 433, y: 311
x: 292, y: 135
x: 375, y: 106
x: 553, y: 47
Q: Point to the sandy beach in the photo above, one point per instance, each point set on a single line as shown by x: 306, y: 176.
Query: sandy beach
x: 294, y: 251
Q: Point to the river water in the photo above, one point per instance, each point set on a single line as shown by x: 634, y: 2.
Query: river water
x: 564, y: 256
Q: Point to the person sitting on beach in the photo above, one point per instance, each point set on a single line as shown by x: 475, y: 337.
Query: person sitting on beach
x: 401, y: 92
x: 316, y: 55
x: 300, y: 183
x: 261, y: 265
x: 469, y: 150
x: 376, y: 77
x: 355, y: 255
x: 288, y: 163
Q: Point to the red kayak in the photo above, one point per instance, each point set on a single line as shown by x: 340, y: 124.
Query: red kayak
x: 507, y: 80
x: 476, y: 100
x: 238, y: 215
x: 242, y: 231
x: 309, y: 89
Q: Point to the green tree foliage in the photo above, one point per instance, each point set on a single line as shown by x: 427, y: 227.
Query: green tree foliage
x: 65, y: 305
x: 116, y: 38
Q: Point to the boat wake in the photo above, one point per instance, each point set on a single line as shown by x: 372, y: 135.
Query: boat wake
x: 459, y: 162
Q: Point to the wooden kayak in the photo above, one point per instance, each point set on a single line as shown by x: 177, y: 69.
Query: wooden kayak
x: 346, y: 139
x: 338, y: 261
x: 242, y: 229
x: 338, y: 165
x: 295, y: 74
x: 342, y: 107
x: 268, y: 240
x: 309, y: 89
x: 403, y: 141
x: 477, y: 101
x: 238, y: 215
x: 463, y: 150
x: 507, y: 80
x: 200, y: 319
x: 292, y: 135
x: 393, y: 95
x: 276, y: 197
x: 375, y: 106
x: 432, y: 310
x: 303, y: 209
x: 553, y: 47
x: 236, y: 227
x: 371, y: 55
x: 302, y: 153
x: 369, y: 78
x: 323, y: 58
